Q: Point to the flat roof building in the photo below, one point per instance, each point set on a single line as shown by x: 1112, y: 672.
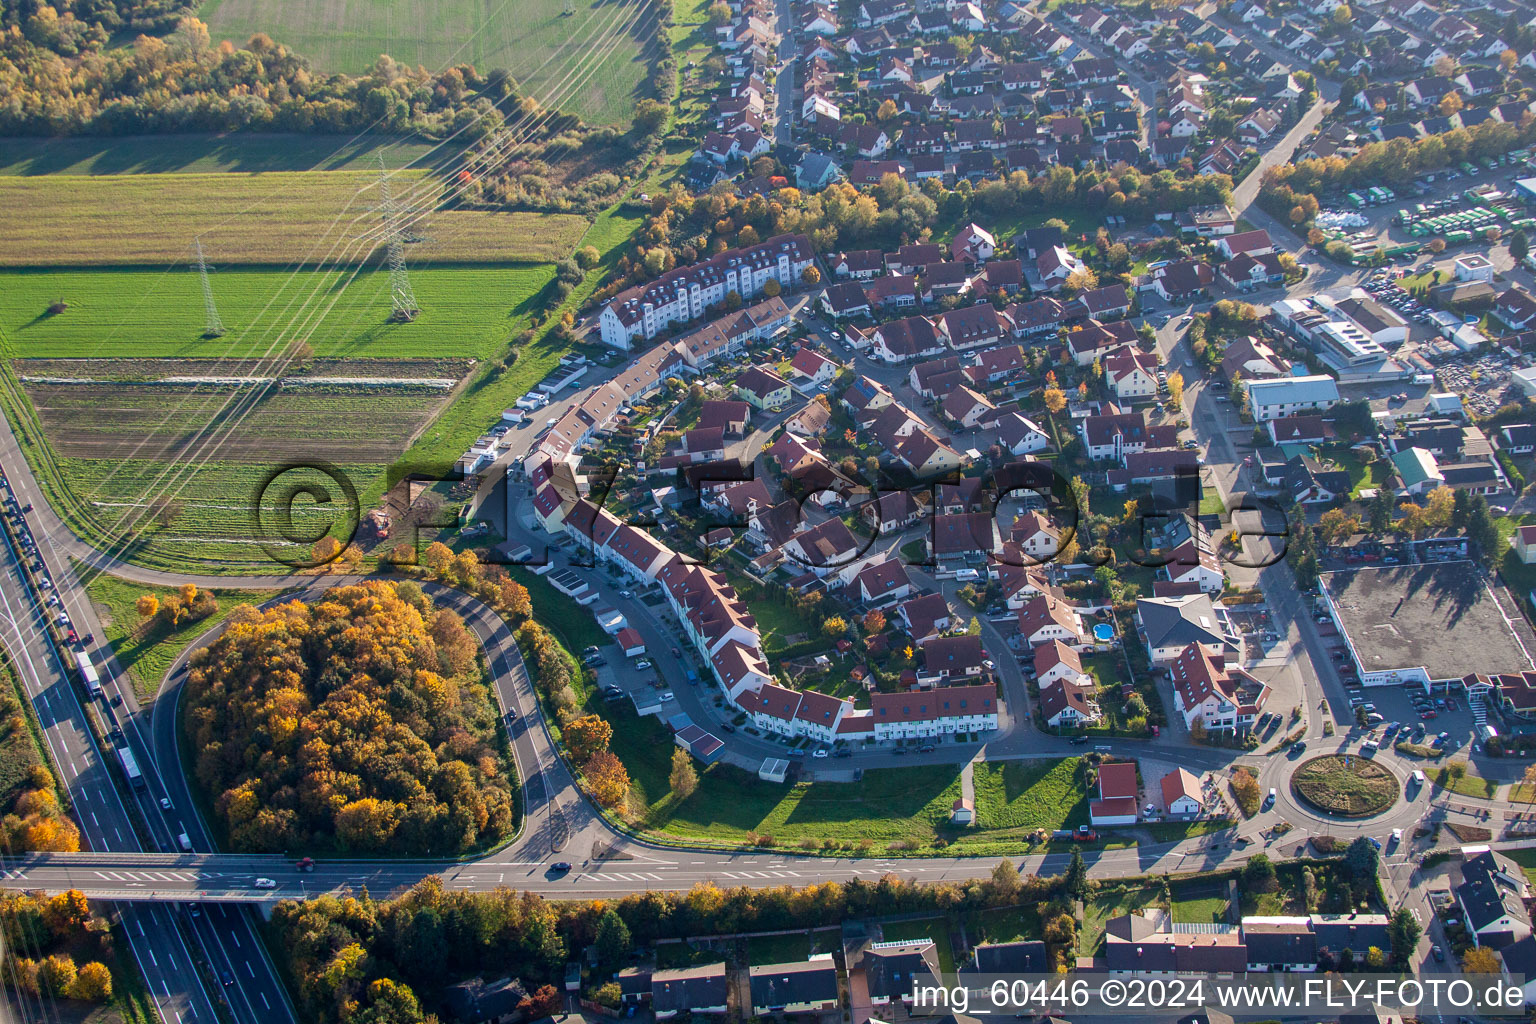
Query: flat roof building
x: 1422, y: 624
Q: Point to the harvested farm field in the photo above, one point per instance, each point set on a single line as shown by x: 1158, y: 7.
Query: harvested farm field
x: 343, y: 411
x: 276, y: 218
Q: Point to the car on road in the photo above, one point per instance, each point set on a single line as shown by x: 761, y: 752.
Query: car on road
x: 643, y: 664
x: 560, y: 867
x: 1437, y: 953
x: 820, y: 752
x: 306, y: 864
x: 927, y: 748
x: 265, y: 883
x: 227, y: 978
x: 1269, y: 801
x: 727, y: 726
x: 626, y: 594
x: 1078, y: 741
x: 165, y: 803
x: 842, y: 752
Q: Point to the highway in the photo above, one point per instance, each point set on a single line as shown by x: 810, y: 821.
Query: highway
x: 166, y: 940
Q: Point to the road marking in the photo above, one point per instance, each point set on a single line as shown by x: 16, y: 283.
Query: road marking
x: 98, y: 874
x: 140, y: 923
x: 152, y: 958
x: 264, y: 1002
x: 166, y: 988
x: 235, y: 939
x: 249, y: 969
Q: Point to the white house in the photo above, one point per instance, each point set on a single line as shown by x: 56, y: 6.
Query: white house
x: 1181, y: 792
x: 1288, y: 396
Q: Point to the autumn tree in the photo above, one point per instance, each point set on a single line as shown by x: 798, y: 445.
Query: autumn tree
x: 607, y: 779
x: 887, y: 111
x: 65, y: 913
x: 1080, y: 281
x: 147, y: 606
x: 684, y: 779
x: 771, y: 287
x: 1336, y: 525
x: 810, y: 276
x: 874, y: 621
x: 1438, y: 506
x: 834, y: 627
x: 1176, y: 389
x: 1055, y: 399
x: 365, y: 709
x: 1480, y: 960
x: 586, y: 736
x: 92, y: 984
x: 324, y: 551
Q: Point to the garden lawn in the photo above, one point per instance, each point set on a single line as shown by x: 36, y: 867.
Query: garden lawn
x: 1377, y: 474
x: 1108, y: 904
x: 935, y: 928
x: 1526, y: 858
x: 147, y: 654
x: 1195, y: 904
x: 1004, y: 924
x: 784, y: 949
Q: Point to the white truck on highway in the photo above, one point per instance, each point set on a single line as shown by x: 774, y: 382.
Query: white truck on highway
x: 88, y: 673
x: 130, y: 767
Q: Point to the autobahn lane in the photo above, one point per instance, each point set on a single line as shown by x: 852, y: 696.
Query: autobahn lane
x: 157, y: 943
x: 223, y: 945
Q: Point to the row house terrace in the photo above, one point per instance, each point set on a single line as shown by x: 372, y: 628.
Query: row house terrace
x: 683, y: 294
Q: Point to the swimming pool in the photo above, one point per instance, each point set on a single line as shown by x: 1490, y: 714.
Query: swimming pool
x: 1103, y: 632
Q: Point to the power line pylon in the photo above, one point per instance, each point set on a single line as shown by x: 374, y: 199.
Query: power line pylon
x: 213, y: 327
x: 402, y: 299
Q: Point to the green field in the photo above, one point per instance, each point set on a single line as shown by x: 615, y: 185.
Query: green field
x: 147, y: 653
x: 281, y: 218
x: 1023, y: 796
x: 193, y: 153
x: 466, y: 312
x: 592, y: 64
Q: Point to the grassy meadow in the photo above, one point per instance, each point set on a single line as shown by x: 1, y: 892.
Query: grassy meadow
x: 466, y: 312
x: 592, y: 63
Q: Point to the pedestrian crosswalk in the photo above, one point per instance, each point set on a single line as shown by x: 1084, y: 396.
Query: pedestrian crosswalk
x: 149, y: 876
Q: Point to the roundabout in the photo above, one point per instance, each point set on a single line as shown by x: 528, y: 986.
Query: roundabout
x: 1345, y: 786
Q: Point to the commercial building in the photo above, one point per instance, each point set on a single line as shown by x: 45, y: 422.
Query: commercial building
x: 1422, y: 625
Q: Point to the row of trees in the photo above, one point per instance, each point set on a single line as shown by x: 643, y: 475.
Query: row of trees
x: 1290, y: 191
x: 362, y: 722
x: 59, y: 74
x: 357, y: 959
x: 683, y: 228
x: 33, y: 819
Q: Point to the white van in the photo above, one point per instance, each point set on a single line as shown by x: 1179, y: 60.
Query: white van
x: 1418, y: 777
